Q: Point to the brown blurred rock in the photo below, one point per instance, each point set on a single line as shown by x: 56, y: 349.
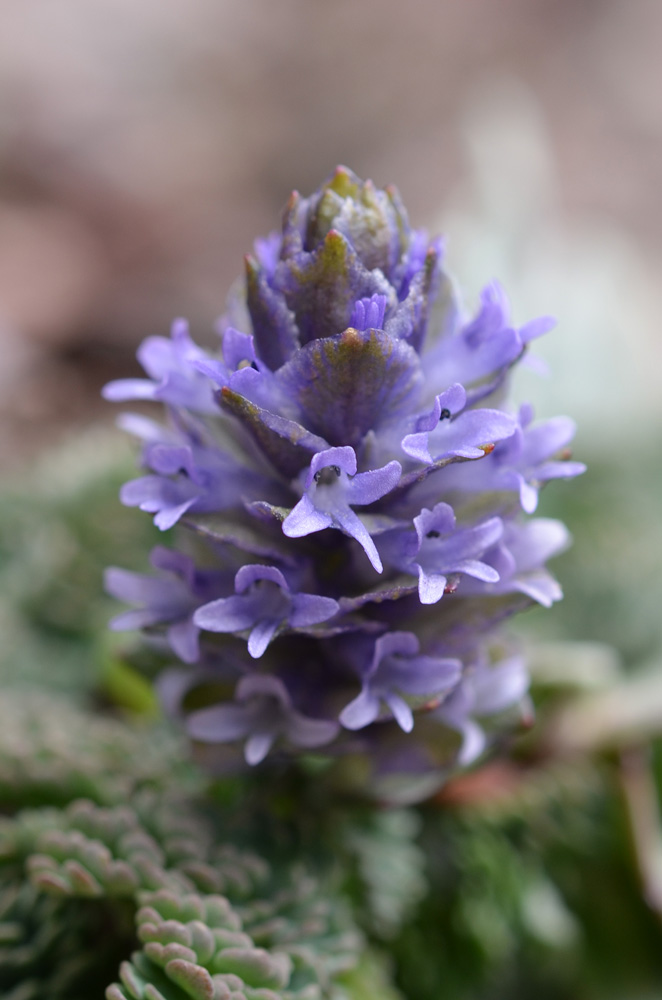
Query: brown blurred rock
x: 52, y: 272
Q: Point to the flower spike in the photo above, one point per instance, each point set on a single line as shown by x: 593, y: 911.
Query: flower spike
x: 351, y: 400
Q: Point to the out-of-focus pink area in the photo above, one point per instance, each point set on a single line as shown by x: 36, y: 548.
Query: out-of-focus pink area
x: 145, y: 143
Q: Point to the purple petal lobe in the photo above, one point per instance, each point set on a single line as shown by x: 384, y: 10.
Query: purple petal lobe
x: 473, y: 743
x: 310, y: 733
x: 229, y: 614
x: 540, y: 586
x: 215, y: 370
x: 218, y: 724
x: 479, y: 570
x: 351, y: 524
x: 261, y: 636
x: 130, y: 620
x: 309, y: 609
x: 360, y: 712
x: 168, y: 517
x: 366, y: 487
x: 263, y: 685
x: 528, y: 496
x: 536, y: 328
x: 393, y: 642
x: 128, y: 388
x: 247, y: 575
x: 257, y: 747
x: 344, y: 458
x: 305, y: 518
x: 238, y: 348
x: 402, y: 713
x: 431, y: 586
x: 184, y: 640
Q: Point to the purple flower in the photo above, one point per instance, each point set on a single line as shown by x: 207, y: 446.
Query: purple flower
x: 396, y: 668
x: 262, y: 713
x: 173, y: 378
x: 263, y: 603
x: 350, y: 392
x: 438, y: 550
x: 519, y: 559
x: 169, y: 599
x: 189, y: 477
x: 526, y: 460
x: 450, y: 431
x: 482, y: 350
x: 238, y: 354
x: 531, y: 456
x: 330, y: 486
x: 484, y: 690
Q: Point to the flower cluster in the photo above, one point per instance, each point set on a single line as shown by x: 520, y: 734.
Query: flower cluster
x: 356, y: 492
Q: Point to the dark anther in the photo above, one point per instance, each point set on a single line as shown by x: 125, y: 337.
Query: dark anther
x: 432, y: 534
x: 445, y: 414
x: 326, y: 476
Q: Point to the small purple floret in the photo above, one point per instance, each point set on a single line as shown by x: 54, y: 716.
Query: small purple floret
x: 262, y: 713
x: 172, y: 369
x: 263, y: 603
x: 485, y: 690
x: 169, y: 599
x: 438, y: 550
x: 328, y: 495
x: 450, y: 431
x: 397, y: 669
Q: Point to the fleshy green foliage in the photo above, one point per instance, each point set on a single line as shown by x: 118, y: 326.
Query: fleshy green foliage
x: 215, y: 922
x: 194, y: 946
x: 57, y: 948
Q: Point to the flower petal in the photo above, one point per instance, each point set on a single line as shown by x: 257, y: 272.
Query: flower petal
x: 305, y: 519
x: 257, y: 747
x: 261, y: 636
x: 360, y: 712
x: 311, y: 609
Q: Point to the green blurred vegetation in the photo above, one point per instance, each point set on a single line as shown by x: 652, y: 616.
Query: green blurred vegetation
x: 612, y: 574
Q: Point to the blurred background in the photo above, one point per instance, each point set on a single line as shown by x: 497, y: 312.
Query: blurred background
x: 143, y: 146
